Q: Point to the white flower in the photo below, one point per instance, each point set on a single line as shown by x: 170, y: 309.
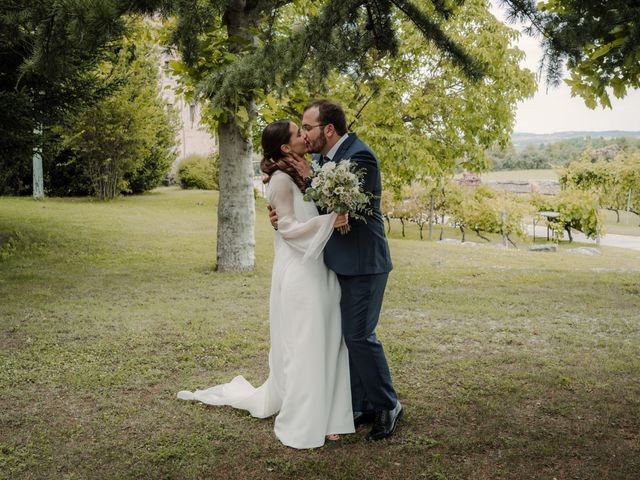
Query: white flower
x: 337, y: 188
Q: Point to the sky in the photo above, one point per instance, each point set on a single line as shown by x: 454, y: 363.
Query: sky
x: 554, y: 110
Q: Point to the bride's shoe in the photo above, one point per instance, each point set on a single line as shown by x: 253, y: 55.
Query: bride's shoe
x: 333, y: 437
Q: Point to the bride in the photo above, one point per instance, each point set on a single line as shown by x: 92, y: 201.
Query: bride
x: 308, y: 384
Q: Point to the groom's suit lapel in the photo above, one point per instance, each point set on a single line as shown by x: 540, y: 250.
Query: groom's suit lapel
x: 344, y: 147
x: 340, y: 154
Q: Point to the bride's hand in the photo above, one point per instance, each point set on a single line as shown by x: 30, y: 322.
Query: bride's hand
x: 341, y: 220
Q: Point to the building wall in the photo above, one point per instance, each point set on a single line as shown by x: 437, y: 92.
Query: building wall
x: 193, y: 135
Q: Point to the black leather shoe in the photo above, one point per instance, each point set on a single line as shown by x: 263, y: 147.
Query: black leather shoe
x: 362, y: 418
x: 385, y: 423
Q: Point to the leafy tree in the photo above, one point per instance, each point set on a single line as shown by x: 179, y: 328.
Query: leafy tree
x: 426, y: 200
x: 614, y: 183
x: 403, y: 210
x: 47, y: 48
x: 124, y: 142
x: 236, y: 52
x: 414, y: 205
x: 630, y: 179
x: 16, y: 142
x: 598, y: 40
x: 578, y: 210
x: 427, y: 121
x: 483, y: 210
x: 387, y: 203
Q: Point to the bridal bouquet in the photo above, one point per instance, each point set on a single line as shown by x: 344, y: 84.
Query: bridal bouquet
x: 337, y: 187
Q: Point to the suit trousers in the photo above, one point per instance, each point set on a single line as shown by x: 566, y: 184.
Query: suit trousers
x: 371, y: 386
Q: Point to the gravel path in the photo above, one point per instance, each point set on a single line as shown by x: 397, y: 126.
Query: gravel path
x: 610, y: 240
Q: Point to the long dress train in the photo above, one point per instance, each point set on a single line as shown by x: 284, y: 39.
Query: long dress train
x: 308, y: 384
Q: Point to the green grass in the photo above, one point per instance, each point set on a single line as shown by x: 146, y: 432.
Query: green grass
x: 510, y: 364
x: 629, y: 223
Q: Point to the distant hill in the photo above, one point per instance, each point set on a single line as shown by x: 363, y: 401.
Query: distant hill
x: 521, y: 140
x: 544, y: 151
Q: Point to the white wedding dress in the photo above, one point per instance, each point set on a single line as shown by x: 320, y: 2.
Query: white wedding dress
x: 308, y: 384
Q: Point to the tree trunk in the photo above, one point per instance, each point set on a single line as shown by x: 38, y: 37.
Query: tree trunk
x: 402, y: 223
x: 236, y: 206
x: 568, y: 230
x: 481, y: 236
x: 38, y: 176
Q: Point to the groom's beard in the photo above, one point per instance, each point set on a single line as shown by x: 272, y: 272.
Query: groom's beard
x: 318, y: 145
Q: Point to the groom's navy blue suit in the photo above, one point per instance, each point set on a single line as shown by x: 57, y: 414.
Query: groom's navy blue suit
x: 362, y: 262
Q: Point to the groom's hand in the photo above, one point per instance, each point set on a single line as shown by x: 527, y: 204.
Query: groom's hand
x: 300, y: 164
x: 273, y: 217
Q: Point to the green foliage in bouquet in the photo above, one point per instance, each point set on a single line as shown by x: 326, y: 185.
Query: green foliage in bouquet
x: 338, y: 188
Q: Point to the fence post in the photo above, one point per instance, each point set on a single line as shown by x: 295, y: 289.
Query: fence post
x: 504, y: 222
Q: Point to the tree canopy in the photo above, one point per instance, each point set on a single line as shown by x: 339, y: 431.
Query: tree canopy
x: 71, y: 68
x: 597, y: 40
x: 48, y: 49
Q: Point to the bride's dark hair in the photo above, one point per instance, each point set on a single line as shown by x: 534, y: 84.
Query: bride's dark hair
x: 274, y: 136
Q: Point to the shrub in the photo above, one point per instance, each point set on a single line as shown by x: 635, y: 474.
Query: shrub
x: 198, y: 171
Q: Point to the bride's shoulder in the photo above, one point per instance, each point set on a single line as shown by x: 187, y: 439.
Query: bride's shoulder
x: 279, y: 177
x: 279, y: 182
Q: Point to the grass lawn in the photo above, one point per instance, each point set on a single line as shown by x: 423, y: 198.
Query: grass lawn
x: 510, y: 364
x: 629, y: 223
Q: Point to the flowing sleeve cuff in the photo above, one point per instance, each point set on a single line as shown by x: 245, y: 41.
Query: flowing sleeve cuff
x: 320, y: 239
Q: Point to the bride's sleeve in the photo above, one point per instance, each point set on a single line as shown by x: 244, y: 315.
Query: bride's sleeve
x: 308, y: 237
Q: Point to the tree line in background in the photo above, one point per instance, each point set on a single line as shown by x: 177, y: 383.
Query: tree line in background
x: 483, y: 210
x: 561, y: 153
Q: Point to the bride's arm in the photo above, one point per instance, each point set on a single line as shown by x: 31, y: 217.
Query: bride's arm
x: 307, y: 237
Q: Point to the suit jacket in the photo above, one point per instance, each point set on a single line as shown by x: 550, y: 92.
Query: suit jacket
x: 364, y: 250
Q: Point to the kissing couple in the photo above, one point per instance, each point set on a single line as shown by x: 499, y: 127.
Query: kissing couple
x: 327, y: 370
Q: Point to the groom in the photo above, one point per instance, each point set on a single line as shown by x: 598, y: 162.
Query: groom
x: 362, y: 263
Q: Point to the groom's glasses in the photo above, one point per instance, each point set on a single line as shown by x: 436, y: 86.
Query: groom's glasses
x: 308, y: 128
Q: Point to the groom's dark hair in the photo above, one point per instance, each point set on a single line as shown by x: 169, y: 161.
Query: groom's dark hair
x: 330, y: 113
